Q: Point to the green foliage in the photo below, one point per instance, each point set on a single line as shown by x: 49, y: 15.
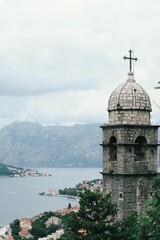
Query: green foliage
x: 95, y: 207
x: 69, y: 191
x: 158, y: 87
x: 147, y: 226
x: 129, y: 227
x: 97, y: 213
x: 78, y: 188
x: 95, y: 218
x: 8, y: 170
x: 71, y: 226
x: 39, y: 228
x: 15, y: 229
x: 69, y: 206
x: 150, y: 227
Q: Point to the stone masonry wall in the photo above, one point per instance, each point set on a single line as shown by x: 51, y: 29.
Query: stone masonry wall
x: 128, y: 191
x: 127, y: 161
x: 129, y: 117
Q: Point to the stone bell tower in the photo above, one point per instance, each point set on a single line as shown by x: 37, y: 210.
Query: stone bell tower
x: 129, y: 146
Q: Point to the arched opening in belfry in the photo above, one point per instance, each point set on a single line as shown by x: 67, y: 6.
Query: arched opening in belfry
x: 113, y: 149
x: 140, y: 148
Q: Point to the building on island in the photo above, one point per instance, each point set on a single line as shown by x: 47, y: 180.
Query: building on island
x: 129, y: 146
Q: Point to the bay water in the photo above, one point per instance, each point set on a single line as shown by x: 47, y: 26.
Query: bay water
x: 19, y: 197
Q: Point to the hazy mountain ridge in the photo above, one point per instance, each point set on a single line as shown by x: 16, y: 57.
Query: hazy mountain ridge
x: 30, y: 144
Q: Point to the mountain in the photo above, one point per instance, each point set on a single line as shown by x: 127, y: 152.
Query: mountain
x: 28, y: 144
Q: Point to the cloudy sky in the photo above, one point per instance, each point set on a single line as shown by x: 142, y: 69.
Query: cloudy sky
x: 61, y: 59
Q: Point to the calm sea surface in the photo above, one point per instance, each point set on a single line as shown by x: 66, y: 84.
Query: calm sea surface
x: 19, y: 197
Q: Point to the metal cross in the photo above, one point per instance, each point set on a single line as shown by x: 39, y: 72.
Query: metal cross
x: 130, y: 59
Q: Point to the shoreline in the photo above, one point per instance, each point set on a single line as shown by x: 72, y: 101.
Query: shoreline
x: 24, y: 192
x: 59, y: 195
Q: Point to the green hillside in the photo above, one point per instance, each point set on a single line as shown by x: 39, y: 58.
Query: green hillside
x: 7, y: 170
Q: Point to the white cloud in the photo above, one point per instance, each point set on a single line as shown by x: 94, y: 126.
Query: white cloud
x: 61, y: 59
x: 81, y: 105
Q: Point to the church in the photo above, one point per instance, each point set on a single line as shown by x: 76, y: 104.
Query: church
x: 129, y: 146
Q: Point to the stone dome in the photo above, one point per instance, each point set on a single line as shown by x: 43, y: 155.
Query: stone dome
x: 129, y: 96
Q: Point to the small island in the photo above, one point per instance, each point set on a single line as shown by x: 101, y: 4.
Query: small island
x: 11, y: 171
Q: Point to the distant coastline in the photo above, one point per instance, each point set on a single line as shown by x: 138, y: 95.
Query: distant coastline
x: 11, y: 171
x: 59, y: 195
x: 27, y: 191
x: 95, y: 184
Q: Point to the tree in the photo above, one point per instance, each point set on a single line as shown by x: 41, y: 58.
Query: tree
x: 15, y: 229
x: 158, y: 87
x: 146, y: 225
x: 71, y: 227
x: 143, y: 226
x: 69, y: 206
x: 39, y: 228
x: 150, y: 226
x: 129, y: 227
x: 95, y: 219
